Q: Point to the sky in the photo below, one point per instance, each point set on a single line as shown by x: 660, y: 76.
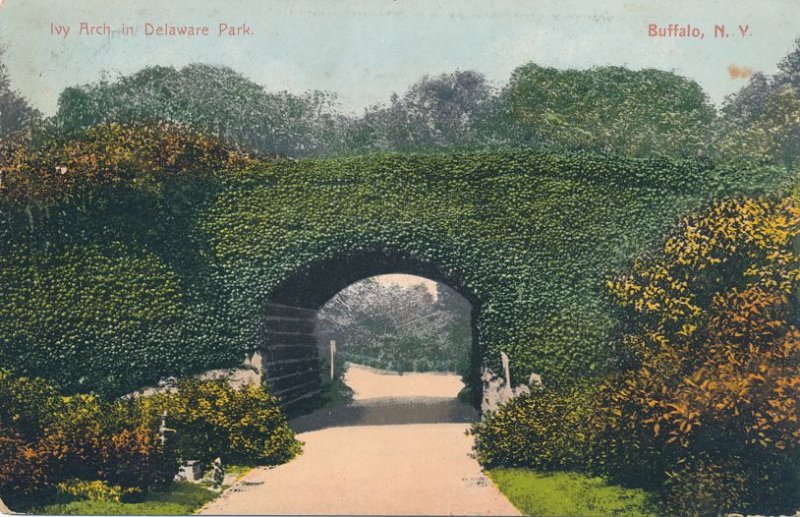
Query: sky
x: 364, y: 50
x: 408, y: 280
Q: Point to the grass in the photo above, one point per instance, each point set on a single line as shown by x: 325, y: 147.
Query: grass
x: 181, y: 498
x: 237, y: 470
x: 564, y: 493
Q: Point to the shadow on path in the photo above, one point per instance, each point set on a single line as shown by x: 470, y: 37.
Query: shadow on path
x: 388, y: 411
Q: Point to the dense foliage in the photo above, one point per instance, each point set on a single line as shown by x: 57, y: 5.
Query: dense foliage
x: 211, y: 419
x: 399, y: 328
x: 449, y: 111
x: 544, y: 430
x: 125, y: 283
x: 606, y: 109
x: 145, y: 155
x: 83, y: 446
x: 704, y: 401
x: 610, y: 109
x: 762, y: 120
x: 709, y: 397
x: 773, y: 136
x: 213, y: 100
x: 47, y: 440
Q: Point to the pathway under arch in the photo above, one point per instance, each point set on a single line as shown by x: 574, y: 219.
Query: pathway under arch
x: 289, y: 344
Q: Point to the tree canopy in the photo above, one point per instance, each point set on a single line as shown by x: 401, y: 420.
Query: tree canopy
x: 15, y: 113
x: 214, y: 100
x: 762, y: 120
x: 401, y: 328
x: 608, y: 109
x: 434, y: 113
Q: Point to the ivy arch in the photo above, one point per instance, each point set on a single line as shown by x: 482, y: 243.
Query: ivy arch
x: 130, y: 283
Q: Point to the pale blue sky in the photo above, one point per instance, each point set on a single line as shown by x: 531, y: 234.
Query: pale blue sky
x: 365, y: 49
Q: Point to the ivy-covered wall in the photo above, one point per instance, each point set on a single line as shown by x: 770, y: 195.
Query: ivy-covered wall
x: 123, y: 285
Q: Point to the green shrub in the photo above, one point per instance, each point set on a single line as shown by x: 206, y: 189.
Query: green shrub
x: 28, y: 467
x: 134, y: 458
x: 79, y: 444
x: 724, y: 486
x: 27, y: 405
x: 211, y: 419
x: 101, y: 442
x: 544, y: 430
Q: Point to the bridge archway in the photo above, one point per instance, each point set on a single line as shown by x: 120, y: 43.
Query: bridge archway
x: 289, y: 343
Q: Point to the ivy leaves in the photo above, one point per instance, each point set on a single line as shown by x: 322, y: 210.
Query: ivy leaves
x: 122, y: 283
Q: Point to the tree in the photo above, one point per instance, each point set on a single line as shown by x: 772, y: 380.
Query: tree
x: 434, y: 113
x: 762, y: 120
x: 789, y: 68
x: 607, y: 109
x: 398, y: 328
x: 773, y: 136
x: 214, y: 100
x: 746, y: 105
x: 16, y: 115
x: 709, y: 394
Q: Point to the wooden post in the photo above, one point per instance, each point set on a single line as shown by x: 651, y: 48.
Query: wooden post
x: 333, y: 355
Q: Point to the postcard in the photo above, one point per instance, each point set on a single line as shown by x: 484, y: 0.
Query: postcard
x: 399, y: 257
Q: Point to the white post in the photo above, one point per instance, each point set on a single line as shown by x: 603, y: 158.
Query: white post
x: 507, y: 392
x: 333, y: 354
x: 163, y: 429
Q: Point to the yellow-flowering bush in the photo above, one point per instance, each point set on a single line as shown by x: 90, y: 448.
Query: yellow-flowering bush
x: 211, y: 419
x: 95, y: 490
x: 708, y: 401
x: 26, y: 470
x: 47, y: 439
x: 704, y: 403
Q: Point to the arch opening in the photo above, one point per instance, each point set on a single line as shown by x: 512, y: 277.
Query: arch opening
x: 395, y: 336
x: 295, y: 348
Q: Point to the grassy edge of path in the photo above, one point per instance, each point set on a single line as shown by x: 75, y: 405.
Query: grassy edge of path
x: 179, y: 498
x: 567, y: 493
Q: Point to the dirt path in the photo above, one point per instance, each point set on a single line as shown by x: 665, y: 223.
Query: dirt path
x: 378, y: 456
x: 416, y: 469
x: 368, y: 383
